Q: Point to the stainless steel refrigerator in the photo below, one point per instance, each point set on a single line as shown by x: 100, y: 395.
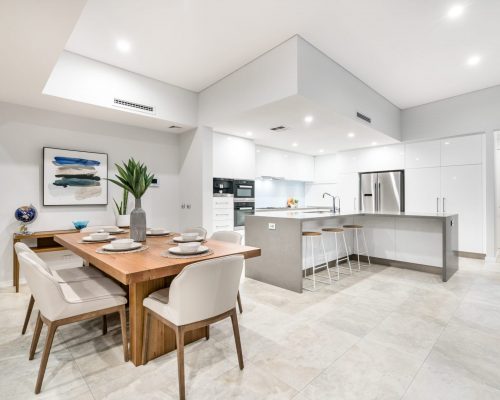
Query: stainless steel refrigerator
x: 382, y: 191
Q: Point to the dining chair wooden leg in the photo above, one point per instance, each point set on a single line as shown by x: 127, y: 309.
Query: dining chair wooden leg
x: 145, y: 336
x: 45, y: 357
x: 179, y: 338
x: 28, y: 314
x: 36, y: 336
x: 207, y: 332
x: 239, y: 302
x: 104, y: 324
x: 123, y: 323
x: 236, y: 331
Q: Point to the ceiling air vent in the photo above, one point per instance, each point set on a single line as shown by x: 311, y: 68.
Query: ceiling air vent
x: 364, y: 117
x: 130, y: 105
x: 277, y: 129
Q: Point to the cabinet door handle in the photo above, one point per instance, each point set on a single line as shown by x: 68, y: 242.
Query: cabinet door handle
x: 437, y: 204
x: 355, y: 204
x: 444, y: 204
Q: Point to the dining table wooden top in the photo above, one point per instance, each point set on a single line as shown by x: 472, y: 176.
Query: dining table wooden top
x: 148, y: 264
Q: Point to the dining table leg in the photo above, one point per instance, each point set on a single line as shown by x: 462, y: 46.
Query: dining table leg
x: 161, y: 337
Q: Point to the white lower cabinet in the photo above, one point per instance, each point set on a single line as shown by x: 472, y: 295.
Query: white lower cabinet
x: 423, y: 189
x: 223, y: 214
x: 462, y: 193
x: 348, y: 190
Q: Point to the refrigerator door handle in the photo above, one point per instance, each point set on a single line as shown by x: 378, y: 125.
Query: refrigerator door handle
x: 378, y: 195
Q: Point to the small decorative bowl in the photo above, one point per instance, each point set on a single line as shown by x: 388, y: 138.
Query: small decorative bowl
x: 80, y: 224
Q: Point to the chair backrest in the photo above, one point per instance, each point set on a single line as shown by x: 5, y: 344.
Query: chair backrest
x: 24, y: 248
x: 44, y: 287
x: 97, y: 228
x: 205, y: 289
x: 227, y: 236
x: 198, y: 229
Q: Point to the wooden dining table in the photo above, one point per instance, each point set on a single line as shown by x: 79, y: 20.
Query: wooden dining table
x: 143, y: 273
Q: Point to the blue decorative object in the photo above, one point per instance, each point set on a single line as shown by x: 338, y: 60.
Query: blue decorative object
x: 25, y: 215
x: 80, y: 224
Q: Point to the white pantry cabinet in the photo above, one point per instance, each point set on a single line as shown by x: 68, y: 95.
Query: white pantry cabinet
x: 462, y: 193
x: 462, y: 150
x: 325, y: 169
x: 384, y: 158
x: 423, y: 190
x: 348, y: 190
x: 423, y: 154
x: 233, y: 157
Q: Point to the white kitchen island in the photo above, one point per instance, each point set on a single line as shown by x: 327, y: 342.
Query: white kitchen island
x: 426, y: 242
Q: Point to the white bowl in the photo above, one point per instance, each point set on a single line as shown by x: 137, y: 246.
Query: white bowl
x: 189, y: 236
x: 112, y: 229
x: 99, y: 235
x: 122, y: 244
x: 156, y: 231
x: 190, y: 247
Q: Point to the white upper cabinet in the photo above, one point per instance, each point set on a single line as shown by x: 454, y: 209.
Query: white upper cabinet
x: 325, y: 169
x: 462, y: 150
x: 233, y: 157
x: 347, y: 161
x: 348, y: 190
x: 423, y: 154
x: 284, y: 164
x: 382, y: 158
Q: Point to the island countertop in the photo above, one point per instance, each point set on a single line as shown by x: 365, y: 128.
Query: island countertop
x: 321, y: 213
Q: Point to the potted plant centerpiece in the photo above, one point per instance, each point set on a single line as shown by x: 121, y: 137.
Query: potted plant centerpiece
x: 134, y: 177
x: 122, y: 218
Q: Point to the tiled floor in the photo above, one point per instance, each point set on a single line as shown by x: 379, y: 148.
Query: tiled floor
x: 384, y: 333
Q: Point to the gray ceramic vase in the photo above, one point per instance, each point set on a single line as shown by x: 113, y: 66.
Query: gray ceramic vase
x: 138, y: 223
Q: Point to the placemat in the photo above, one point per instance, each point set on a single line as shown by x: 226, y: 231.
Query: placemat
x: 167, y: 254
x: 100, y: 250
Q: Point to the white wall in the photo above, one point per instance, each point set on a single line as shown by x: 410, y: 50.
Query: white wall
x: 25, y: 131
x: 84, y: 80
x: 274, y: 193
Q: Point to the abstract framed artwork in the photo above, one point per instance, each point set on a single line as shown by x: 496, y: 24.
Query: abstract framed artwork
x: 74, y: 178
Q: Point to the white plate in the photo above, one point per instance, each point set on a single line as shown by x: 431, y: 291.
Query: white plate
x: 90, y: 240
x: 134, y: 246
x: 179, y: 239
x: 117, y: 232
x: 165, y: 233
x: 178, y: 252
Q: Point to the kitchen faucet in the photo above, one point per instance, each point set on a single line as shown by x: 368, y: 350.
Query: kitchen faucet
x: 334, y: 208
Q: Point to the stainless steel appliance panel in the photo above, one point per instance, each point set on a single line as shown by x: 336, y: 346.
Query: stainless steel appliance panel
x: 241, y: 210
x: 368, y: 192
x: 389, y: 191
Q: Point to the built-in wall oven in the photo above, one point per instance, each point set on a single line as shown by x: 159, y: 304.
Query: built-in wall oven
x: 244, y: 189
x: 241, y: 210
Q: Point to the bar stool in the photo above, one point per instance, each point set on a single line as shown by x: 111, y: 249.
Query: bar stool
x: 356, y: 229
x: 311, y: 236
x: 334, y: 232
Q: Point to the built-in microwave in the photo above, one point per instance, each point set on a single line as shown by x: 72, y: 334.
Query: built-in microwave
x: 241, y: 210
x: 223, y: 187
x: 244, y: 189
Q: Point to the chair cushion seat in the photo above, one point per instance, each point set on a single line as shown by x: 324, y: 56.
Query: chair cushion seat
x: 160, y: 295
x: 64, y: 275
x: 91, y: 289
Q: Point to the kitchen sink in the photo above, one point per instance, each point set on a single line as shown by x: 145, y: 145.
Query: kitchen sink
x: 317, y: 212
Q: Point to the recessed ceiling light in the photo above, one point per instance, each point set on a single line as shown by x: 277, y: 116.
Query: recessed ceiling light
x: 447, y: 143
x: 308, y: 119
x: 473, y: 60
x: 321, y: 150
x: 374, y: 143
x: 249, y: 133
x: 455, y: 11
x: 123, y: 46
x: 295, y: 144
x: 351, y: 134
x: 258, y: 151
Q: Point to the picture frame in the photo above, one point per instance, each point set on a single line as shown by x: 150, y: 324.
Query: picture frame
x: 74, y: 177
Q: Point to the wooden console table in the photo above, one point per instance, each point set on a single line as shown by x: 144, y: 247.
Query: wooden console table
x: 44, y: 243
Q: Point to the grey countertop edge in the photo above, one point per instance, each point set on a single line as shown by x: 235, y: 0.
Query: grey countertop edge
x: 273, y: 215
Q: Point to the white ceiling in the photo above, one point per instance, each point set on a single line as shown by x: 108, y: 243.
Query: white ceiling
x: 327, y: 133
x: 407, y: 50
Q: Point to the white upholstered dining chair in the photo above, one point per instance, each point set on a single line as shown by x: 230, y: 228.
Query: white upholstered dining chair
x: 65, y: 303
x: 230, y: 237
x: 203, y: 293
x: 69, y: 273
